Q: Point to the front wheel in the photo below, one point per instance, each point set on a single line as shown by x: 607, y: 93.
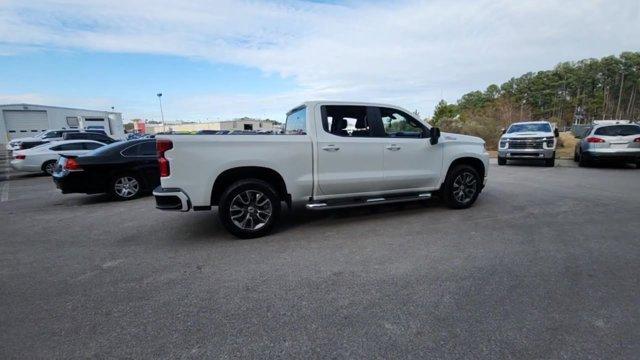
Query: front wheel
x: 249, y: 208
x: 462, y: 187
x: 502, y: 161
x: 550, y: 162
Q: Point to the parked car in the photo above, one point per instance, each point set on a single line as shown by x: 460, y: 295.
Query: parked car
x: 125, y: 170
x: 43, y: 158
x: 619, y: 142
x: 41, y: 138
x: 331, y: 155
x: 90, y: 135
x: 528, y: 140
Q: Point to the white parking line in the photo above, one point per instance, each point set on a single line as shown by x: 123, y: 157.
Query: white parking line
x: 4, y: 191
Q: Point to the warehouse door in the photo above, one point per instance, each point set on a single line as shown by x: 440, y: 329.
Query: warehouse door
x: 24, y: 123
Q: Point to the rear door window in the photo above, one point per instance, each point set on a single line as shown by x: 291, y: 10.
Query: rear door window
x: 68, y: 147
x: 347, y: 121
x: 91, y: 145
x: 144, y: 149
x: 148, y: 148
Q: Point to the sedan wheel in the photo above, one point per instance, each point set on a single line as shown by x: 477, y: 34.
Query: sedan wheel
x: 49, y: 167
x: 126, y: 187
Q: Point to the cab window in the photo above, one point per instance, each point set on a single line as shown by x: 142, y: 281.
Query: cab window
x: 400, y: 124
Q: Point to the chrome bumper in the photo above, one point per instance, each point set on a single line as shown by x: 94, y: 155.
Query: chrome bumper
x: 526, y: 153
x: 172, y: 199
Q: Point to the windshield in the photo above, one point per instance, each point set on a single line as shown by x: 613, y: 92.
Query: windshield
x: 618, y: 130
x: 538, y: 127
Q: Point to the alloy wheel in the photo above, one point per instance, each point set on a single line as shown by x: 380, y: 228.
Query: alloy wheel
x: 126, y: 187
x: 464, y: 187
x: 49, y: 168
x: 250, y: 210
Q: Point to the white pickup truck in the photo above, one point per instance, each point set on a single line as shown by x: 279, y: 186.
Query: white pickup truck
x: 330, y: 155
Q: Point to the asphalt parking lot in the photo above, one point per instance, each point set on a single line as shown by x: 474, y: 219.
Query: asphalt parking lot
x: 545, y: 265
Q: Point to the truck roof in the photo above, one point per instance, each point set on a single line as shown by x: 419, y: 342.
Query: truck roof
x: 354, y: 103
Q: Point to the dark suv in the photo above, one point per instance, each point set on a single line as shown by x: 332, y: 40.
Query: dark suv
x: 89, y: 135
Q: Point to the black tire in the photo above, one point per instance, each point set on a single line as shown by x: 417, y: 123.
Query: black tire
x: 582, y: 161
x: 502, y: 161
x: 125, y: 186
x: 243, y: 195
x: 450, y: 190
x: 550, y: 162
x: 48, y: 167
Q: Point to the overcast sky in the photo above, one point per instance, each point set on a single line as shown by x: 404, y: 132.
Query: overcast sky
x: 223, y: 59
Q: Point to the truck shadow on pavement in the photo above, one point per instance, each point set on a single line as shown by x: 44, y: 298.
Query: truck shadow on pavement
x: 206, y: 227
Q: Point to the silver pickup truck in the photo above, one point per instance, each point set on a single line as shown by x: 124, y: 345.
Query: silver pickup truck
x: 529, y: 141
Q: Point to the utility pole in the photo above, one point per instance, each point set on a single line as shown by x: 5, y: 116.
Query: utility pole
x: 161, y: 113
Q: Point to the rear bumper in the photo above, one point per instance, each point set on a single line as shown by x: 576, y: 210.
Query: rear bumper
x: 19, y: 165
x: 173, y: 199
x: 612, y: 155
x: 526, y: 153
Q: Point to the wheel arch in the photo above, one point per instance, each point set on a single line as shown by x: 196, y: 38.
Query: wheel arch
x: 474, y: 162
x: 232, y: 175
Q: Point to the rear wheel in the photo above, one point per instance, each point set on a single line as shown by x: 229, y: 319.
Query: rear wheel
x: 48, y: 167
x: 502, y: 161
x: 582, y: 161
x: 249, y: 208
x: 125, y: 187
x: 462, y: 187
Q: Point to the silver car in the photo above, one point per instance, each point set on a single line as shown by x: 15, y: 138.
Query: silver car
x: 609, y: 142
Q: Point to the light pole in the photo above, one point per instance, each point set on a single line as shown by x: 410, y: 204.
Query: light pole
x: 161, y: 113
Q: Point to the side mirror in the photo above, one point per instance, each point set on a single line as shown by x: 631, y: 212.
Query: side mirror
x: 434, y: 135
x: 556, y: 133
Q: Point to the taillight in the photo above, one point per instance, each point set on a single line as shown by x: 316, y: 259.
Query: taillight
x: 72, y: 165
x: 636, y: 140
x: 163, y: 145
x: 592, y: 139
x: 20, y: 157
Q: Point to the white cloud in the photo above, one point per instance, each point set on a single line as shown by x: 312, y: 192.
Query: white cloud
x: 407, y: 52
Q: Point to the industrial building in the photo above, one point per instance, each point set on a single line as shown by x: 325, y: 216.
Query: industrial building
x: 27, y: 120
x: 238, y: 124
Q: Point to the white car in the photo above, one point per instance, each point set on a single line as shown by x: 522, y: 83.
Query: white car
x: 43, y: 158
x: 331, y: 155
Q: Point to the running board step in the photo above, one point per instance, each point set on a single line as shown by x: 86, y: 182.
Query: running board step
x: 367, y: 201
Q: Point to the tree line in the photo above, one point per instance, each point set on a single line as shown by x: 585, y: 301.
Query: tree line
x: 581, y: 91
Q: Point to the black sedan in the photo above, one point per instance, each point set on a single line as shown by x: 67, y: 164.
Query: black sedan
x: 125, y: 170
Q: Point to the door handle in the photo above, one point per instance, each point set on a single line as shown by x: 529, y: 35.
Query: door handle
x: 392, y: 147
x: 331, y: 148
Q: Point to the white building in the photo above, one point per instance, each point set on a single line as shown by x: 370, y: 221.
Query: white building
x: 26, y: 120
